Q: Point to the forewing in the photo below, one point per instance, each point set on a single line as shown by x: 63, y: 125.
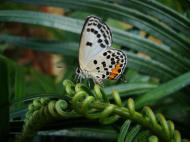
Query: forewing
x: 95, y: 38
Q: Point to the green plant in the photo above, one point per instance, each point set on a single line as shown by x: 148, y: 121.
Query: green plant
x: 79, y: 101
x: 160, y: 78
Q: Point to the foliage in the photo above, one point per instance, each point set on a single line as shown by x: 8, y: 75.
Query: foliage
x: 80, y: 102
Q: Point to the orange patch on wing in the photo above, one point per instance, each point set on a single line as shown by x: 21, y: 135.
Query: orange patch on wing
x: 114, y: 72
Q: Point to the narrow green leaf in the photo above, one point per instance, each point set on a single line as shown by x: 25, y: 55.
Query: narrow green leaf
x: 19, y: 83
x: 161, y: 52
x: 142, y: 136
x: 90, y: 133
x: 129, y: 89
x: 153, y: 8
x: 43, y: 19
x: 124, y: 131
x: 44, y: 81
x: 147, y: 23
x: 132, y: 133
x: 164, y: 90
x: 69, y: 49
x: 148, y: 66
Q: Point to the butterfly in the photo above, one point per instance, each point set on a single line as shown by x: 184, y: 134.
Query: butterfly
x: 97, y: 59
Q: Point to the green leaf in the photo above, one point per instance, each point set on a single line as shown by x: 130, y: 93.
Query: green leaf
x: 147, y: 23
x: 161, y: 52
x: 129, y: 89
x: 39, y: 18
x: 164, y: 90
x: 148, y: 66
x: 66, y: 48
x: 45, y: 82
x: 153, y: 8
x: 132, y: 133
x: 19, y: 83
x: 87, y: 133
x: 124, y: 131
x: 120, y: 37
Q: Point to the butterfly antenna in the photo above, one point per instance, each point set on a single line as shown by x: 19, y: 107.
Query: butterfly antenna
x: 77, y: 78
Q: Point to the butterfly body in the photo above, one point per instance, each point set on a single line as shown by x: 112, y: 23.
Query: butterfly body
x: 97, y: 60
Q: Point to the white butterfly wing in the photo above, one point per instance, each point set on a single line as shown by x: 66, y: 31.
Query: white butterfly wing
x: 95, y: 38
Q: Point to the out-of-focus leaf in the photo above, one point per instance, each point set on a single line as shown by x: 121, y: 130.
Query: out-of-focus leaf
x: 124, y: 131
x: 147, y: 23
x: 92, y: 133
x: 19, y: 91
x: 129, y: 89
x: 45, y: 82
x: 161, y: 12
x: 132, y: 133
x: 148, y: 66
x: 164, y: 90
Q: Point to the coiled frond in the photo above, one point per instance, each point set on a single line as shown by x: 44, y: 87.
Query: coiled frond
x: 95, y: 105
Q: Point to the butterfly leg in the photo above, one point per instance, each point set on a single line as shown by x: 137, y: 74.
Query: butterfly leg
x: 80, y: 79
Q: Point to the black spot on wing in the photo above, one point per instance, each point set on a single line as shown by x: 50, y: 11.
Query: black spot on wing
x: 89, y: 24
x: 121, y: 56
x: 106, y: 41
x: 99, y: 40
x: 113, y: 62
x: 104, y: 64
x: 92, y: 29
x: 95, y: 32
x: 105, y: 53
x: 112, y: 59
x: 104, y: 35
x: 99, y: 25
x: 89, y: 43
x: 98, y: 35
x: 103, y: 76
x: 102, y: 45
x: 95, y: 62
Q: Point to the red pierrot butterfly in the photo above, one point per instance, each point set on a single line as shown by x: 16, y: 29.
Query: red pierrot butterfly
x: 97, y: 59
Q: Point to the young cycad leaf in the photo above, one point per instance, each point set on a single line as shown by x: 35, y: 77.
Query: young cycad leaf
x: 124, y: 131
x: 132, y: 133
